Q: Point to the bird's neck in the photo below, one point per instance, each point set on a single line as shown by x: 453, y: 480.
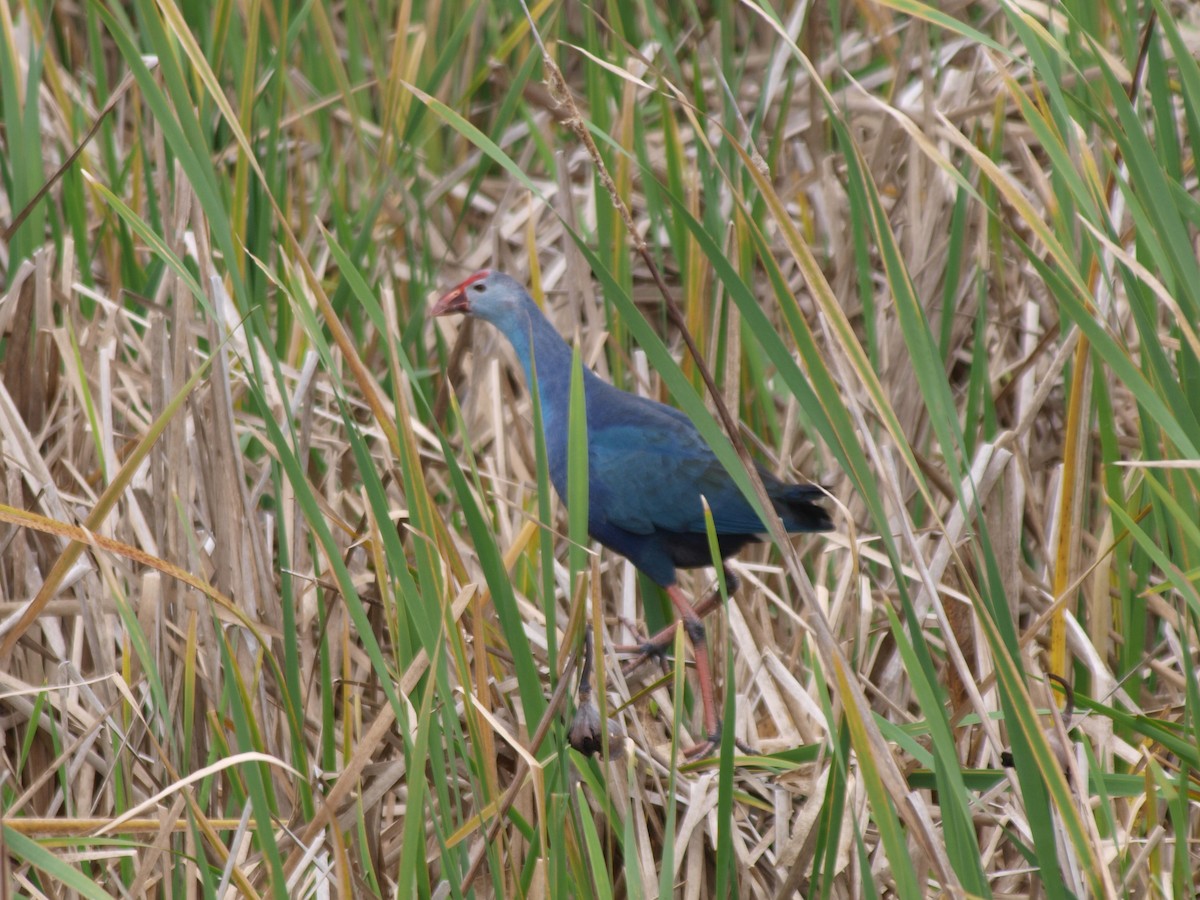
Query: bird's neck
x: 539, y: 346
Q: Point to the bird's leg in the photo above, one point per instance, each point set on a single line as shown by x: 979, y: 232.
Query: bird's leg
x: 694, y: 627
x: 657, y: 645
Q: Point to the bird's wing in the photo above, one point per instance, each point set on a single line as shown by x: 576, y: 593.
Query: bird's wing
x: 648, y: 475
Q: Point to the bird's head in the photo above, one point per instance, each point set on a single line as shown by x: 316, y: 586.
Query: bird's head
x: 488, y: 295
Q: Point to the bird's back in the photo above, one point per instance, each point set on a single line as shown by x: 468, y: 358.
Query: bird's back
x: 649, y: 467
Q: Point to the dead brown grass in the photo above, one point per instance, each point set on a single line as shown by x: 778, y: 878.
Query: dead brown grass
x: 192, y: 547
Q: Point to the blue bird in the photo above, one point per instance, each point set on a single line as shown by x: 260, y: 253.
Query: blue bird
x: 648, y: 467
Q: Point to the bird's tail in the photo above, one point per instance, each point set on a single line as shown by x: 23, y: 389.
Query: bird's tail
x: 798, y: 507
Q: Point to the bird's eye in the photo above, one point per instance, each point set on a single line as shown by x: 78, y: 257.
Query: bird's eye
x: 478, y: 288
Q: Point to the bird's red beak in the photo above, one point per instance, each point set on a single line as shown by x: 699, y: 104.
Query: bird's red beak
x: 453, y: 302
x: 456, y: 300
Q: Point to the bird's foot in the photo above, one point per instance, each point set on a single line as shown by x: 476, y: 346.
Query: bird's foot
x: 704, y: 748
x: 656, y: 647
x: 712, y: 744
x: 643, y: 653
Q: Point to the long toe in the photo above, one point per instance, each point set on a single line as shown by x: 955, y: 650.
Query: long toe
x: 706, y: 747
x: 711, y: 746
x: 643, y: 652
x: 657, y: 646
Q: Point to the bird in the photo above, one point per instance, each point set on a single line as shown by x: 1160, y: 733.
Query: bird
x: 648, y: 467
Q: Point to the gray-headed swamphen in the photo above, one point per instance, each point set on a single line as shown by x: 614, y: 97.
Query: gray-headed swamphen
x: 647, y: 469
